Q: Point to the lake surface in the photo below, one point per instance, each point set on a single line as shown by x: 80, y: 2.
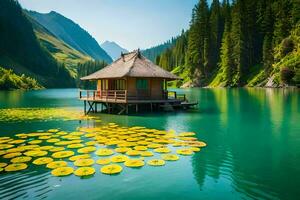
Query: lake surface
x: 253, y: 151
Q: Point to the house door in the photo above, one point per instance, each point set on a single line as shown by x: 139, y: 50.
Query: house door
x: 142, y: 88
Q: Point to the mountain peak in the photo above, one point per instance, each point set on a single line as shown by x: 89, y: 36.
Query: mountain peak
x: 113, y: 49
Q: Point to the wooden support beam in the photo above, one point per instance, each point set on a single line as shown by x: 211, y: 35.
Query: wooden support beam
x: 136, y: 107
x: 84, y: 107
x: 91, y: 107
x: 123, y: 108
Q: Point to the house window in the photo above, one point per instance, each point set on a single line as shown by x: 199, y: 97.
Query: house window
x: 142, y: 84
x: 118, y: 84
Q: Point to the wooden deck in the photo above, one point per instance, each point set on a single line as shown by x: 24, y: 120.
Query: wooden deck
x: 120, y: 100
x: 121, y: 96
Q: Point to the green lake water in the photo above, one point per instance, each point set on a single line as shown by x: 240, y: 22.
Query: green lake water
x: 253, y: 151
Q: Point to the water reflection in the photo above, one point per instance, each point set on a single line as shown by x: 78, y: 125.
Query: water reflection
x: 254, y: 148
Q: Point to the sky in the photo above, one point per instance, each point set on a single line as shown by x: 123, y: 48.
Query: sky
x: 130, y: 23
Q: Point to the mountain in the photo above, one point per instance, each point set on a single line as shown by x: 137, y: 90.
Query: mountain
x: 71, y: 33
x: 153, y: 52
x: 21, y: 51
x: 113, y: 49
x: 61, y: 51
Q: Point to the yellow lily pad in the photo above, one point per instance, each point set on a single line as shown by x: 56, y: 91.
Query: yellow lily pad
x: 156, y: 162
x: 54, y: 140
x: 21, y: 159
x: 42, y: 161
x: 75, y: 146
x: 186, y: 134
x: 140, y: 148
x: 35, y: 153
x: 147, y: 153
x: 111, y: 169
x: 83, y: 156
x: 84, y: 171
x: 15, y: 167
x: 133, y: 153
x: 62, y: 154
x: 3, y: 165
x: 185, y: 152
x: 134, y: 163
x: 56, y: 164
x: 86, y: 149
x: 62, y: 171
x: 91, y: 143
x: 119, y: 158
x: 122, y: 149
x: 56, y: 149
x: 84, y: 162
x: 162, y: 150
x: 170, y: 157
x: 12, y: 155
x: 104, y: 152
x: 35, y: 142
x: 103, y: 161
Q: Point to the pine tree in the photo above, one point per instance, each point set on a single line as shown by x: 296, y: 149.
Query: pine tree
x: 238, y: 31
x: 226, y: 62
x: 216, y: 31
x: 198, y: 43
x: 283, y: 20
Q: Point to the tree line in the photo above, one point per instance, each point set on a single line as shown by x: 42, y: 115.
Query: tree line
x: 87, y: 68
x: 229, y: 42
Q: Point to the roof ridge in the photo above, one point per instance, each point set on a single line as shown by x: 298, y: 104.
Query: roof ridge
x: 135, y: 57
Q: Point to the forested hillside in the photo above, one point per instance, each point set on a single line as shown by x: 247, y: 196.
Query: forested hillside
x: 21, y: 51
x: 155, y: 51
x: 88, y: 68
x: 242, y: 43
x: 71, y: 33
x: 61, y: 51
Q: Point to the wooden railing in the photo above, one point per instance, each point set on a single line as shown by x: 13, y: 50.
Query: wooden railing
x: 114, y: 95
x: 122, y: 95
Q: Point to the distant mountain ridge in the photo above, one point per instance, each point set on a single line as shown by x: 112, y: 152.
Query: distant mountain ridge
x: 113, y: 49
x: 71, y: 33
x: 152, y: 52
x: 61, y: 51
x: 21, y: 51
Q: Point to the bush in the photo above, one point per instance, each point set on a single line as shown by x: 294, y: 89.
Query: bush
x: 287, y: 75
x: 287, y: 46
x: 9, y: 80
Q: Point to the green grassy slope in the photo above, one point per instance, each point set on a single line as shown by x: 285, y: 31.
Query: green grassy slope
x: 62, y: 52
x: 71, y: 33
x: 21, y: 51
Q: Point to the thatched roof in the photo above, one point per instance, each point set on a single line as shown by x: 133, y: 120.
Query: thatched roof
x: 131, y: 65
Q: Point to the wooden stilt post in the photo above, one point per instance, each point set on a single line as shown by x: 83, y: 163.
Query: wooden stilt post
x: 84, y: 107
x: 136, y: 108
x: 126, y: 108
x: 151, y: 106
x: 96, y: 107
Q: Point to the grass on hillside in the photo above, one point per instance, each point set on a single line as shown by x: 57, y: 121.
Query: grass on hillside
x: 62, y: 52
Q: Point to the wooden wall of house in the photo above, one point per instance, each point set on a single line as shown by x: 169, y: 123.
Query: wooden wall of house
x: 99, y: 85
x: 156, y: 89
x: 131, y: 87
